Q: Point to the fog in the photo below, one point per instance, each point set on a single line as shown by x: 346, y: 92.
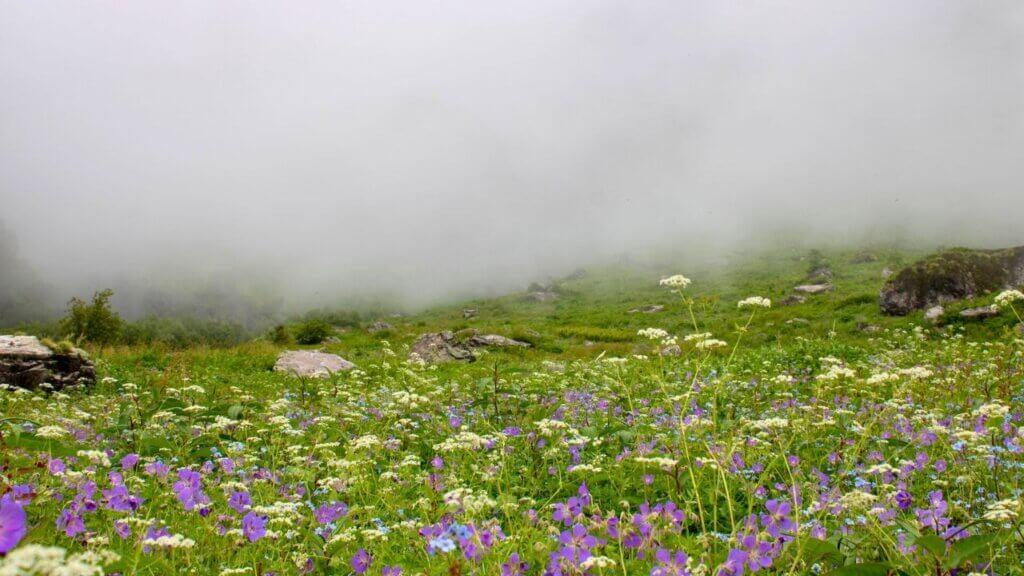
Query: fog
x: 330, y: 153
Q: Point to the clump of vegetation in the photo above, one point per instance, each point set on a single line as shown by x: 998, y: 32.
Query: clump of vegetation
x: 95, y: 321
x: 279, y: 335
x: 312, y: 332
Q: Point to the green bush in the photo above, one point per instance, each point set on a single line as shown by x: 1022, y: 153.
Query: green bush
x: 279, y: 335
x: 312, y: 332
x: 93, y: 321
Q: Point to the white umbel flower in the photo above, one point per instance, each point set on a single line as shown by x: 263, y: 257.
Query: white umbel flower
x: 755, y: 301
x: 677, y: 282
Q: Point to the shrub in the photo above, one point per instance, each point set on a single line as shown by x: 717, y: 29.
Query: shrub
x: 93, y: 321
x: 279, y: 335
x: 312, y: 332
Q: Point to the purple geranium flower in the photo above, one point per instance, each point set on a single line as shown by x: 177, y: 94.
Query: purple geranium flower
x: 13, y: 525
x: 254, y: 526
x: 361, y: 561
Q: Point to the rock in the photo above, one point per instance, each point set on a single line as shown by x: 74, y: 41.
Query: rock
x: 468, y: 313
x: 863, y: 258
x: 792, y: 300
x: 438, y: 347
x: 553, y: 367
x: 487, y: 340
x: 332, y: 340
x: 27, y: 363
x: 378, y: 326
x: 649, y: 309
x: 311, y: 364
x: 934, y: 313
x: 949, y: 276
x: 798, y: 321
x: 820, y: 275
x: 868, y: 328
x: 544, y: 296
x: 886, y: 273
x: 814, y: 288
x: 980, y: 313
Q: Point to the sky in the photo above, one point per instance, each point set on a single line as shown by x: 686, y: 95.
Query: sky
x: 326, y: 151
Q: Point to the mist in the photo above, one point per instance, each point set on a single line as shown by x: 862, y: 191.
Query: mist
x: 330, y: 153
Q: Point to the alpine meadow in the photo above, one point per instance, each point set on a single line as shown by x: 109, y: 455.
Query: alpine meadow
x: 536, y: 288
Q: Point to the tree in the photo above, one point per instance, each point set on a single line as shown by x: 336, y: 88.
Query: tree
x: 92, y: 321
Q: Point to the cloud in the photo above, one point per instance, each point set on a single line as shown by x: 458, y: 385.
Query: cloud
x: 419, y: 150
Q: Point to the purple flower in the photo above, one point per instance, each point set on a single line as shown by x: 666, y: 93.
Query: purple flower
x: 733, y: 565
x: 330, y: 512
x: 119, y: 499
x: 71, y: 521
x: 56, y: 466
x: 254, y: 526
x: 670, y: 564
x: 129, y: 461
x: 777, y: 521
x: 13, y: 525
x: 361, y: 561
x: 391, y: 571
x: 122, y: 529
x: 514, y: 566
x: 189, y: 489
x: 239, y: 501
x: 158, y: 469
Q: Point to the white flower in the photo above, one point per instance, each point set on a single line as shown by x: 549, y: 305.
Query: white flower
x: 710, y: 344
x: 653, y: 333
x: 677, y: 281
x: 51, y: 432
x: 1006, y: 298
x: 755, y: 301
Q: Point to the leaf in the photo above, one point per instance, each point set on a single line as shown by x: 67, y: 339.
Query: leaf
x: 865, y: 569
x: 816, y: 550
x: 933, y: 544
x: 235, y: 411
x: 970, y: 549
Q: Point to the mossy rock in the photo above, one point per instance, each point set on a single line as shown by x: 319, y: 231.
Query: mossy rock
x: 951, y: 275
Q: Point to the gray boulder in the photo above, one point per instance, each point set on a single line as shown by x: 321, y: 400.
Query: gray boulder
x: 378, y: 326
x: 439, y: 347
x: 26, y: 363
x: 934, y: 313
x: 980, y: 313
x: 311, y: 364
x: 814, y: 288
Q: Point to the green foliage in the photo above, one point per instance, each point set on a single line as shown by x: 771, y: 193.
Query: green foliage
x: 279, y: 335
x: 182, y: 332
x: 312, y: 332
x: 95, y: 322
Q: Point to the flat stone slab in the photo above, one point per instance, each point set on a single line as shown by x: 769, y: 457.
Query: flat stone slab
x: 23, y: 347
x: 814, y: 288
x: 496, y: 340
x: 311, y: 364
x: 981, y: 312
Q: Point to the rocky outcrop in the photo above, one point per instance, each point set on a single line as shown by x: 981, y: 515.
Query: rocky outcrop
x: 439, y: 347
x: 311, y: 364
x: 26, y: 362
x: 378, y: 326
x: 949, y: 276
